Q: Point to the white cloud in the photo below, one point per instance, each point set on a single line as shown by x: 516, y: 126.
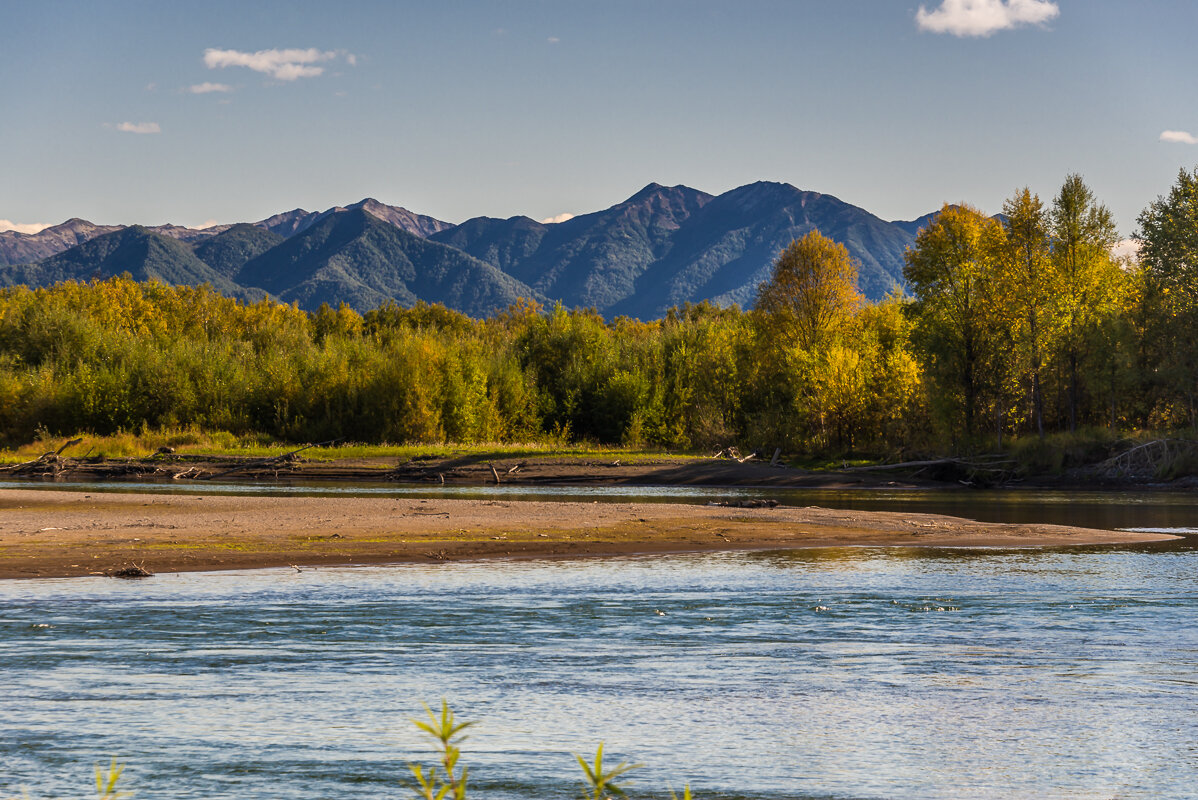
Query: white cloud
x: 557, y: 219
x: 984, y: 17
x: 208, y: 87
x: 1126, y: 248
x: 135, y: 127
x: 1179, y: 137
x: 553, y: 40
x: 283, y: 65
x: 208, y: 223
x: 23, y: 227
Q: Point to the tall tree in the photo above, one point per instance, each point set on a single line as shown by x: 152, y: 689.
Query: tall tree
x: 1168, y: 237
x: 953, y: 272
x: 1083, y: 233
x: 802, y: 314
x: 812, y: 290
x: 1032, y: 286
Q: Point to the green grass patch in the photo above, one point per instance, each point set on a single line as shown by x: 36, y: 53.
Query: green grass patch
x: 192, y: 441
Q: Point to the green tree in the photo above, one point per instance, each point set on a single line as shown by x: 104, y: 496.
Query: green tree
x: 801, y: 316
x: 1083, y: 233
x: 953, y: 271
x: 1168, y: 238
x: 1032, y: 286
x: 811, y: 292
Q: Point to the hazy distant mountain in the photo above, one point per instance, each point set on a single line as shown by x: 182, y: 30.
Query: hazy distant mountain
x: 289, y: 223
x: 914, y: 226
x: 230, y: 250
x: 664, y: 246
x: 726, y: 250
x: 23, y: 248
x: 668, y: 245
x: 145, y: 255
x: 592, y: 259
x: 185, y: 234
x: 355, y: 258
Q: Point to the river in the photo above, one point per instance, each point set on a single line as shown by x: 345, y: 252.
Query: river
x: 839, y: 673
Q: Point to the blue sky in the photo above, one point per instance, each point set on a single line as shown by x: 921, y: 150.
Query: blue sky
x: 191, y: 112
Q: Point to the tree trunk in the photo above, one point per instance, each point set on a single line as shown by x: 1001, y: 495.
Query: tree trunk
x: 1072, y: 390
x: 970, y: 391
x: 1037, y: 397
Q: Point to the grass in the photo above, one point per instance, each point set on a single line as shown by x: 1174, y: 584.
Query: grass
x: 195, y: 442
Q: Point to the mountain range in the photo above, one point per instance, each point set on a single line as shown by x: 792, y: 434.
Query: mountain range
x: 663, y: 246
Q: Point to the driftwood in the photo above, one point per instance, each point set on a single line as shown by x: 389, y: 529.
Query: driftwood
x: 986, y: 470
x: 746, y: 504
x: 130, y: 571
x: 494, y: 472
x: 49, y: 463
x: 980, y: 462
x: 71, y: 443
x: 272, y: 461
x: 734, y: 454
x: 1146, y: 460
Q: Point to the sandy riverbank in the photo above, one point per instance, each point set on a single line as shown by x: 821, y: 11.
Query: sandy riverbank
x: 64, y: 533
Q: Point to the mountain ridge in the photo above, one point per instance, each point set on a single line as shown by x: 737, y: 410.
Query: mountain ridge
x: 353, y: 257
x: 661, y: 247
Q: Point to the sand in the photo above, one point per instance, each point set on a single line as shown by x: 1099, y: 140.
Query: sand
x: 52, y: 533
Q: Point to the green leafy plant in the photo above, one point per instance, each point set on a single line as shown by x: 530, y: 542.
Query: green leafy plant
x: 430, y: 784
x: 600, y: 785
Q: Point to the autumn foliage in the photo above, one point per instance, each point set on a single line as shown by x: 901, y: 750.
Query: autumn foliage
x: 1015, y: 326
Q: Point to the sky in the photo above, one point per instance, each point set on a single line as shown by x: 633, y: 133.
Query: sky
x: 201, y: 112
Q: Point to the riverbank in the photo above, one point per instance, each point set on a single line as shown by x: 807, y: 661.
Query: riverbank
x: 52, y: 533
x: 465, y: 469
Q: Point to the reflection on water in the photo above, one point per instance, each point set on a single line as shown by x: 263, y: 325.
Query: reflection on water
x: 831, y: 673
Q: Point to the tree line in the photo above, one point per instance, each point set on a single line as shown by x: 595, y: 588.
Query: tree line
x: 1017, y: 325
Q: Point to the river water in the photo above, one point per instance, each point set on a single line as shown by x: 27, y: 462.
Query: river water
x: 829, y: 673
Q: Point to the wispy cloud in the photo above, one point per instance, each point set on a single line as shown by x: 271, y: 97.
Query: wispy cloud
x: 282, y: 65
x: 208, y: 223
x: 553, y: 40
x: 134, y: 127
x: 1179, y: 137
x: 23, y: 227
x: 207, y: 87
x: 557, y: 219
x: 984, y: 17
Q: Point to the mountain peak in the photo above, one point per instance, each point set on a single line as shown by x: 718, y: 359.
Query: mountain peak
x: 73, y: 225
x: 656, y: 190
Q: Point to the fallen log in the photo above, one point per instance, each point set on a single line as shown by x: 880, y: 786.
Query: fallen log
x: 271, y: 461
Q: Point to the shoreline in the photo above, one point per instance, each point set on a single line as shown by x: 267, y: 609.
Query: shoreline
x: 54, y: 533
x: 528, y: 470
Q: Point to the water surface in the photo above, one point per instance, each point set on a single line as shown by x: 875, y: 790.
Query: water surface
x: 838, y: 673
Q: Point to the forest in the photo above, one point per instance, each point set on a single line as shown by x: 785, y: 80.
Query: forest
x: 1016, y: 326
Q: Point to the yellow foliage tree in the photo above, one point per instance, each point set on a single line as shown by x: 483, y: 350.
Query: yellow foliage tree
x: 812, y: 291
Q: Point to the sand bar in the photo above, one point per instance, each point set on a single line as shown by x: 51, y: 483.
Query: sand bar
x: 50, y: 533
